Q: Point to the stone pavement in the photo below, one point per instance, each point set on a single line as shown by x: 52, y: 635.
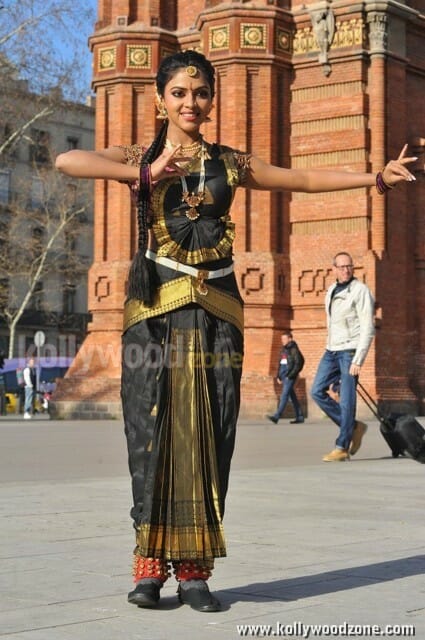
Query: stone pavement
x: 309, y: 542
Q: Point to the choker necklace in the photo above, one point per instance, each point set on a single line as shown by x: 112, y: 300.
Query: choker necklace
x: 191, y: 198
x: 192, y: 150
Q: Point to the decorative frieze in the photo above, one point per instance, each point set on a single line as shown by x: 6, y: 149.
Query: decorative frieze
x: 330, y: 227
x: 348, y: 33
x: 107, y: 58
x: 343, y: 194
x: 327, y: 91
x: 253, y: 36
x: 341, y: 123
x: 219, y: 37
x: 283, y: 40
x: 336, y: 158
x: 138, y: 56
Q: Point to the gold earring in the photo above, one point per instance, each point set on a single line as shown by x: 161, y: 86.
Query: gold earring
x: 162, y: 111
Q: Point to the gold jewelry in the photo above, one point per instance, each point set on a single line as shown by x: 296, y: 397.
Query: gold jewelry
x: 191, y: 150
x: 192, y: 71
x: 162, y: 111
x: 192, y: 199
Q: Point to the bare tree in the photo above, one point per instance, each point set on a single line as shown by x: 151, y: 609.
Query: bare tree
x: 43, y: 51
x: 43, y: 57
x: 38, y: 244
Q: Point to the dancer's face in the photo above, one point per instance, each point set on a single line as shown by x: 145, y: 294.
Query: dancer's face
x: 188, y: 102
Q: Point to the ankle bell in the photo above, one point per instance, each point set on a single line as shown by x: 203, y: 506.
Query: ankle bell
x: 190, y: 570
x: 150, y: 568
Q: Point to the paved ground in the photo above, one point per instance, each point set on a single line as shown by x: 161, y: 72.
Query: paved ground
x: 309, y: 542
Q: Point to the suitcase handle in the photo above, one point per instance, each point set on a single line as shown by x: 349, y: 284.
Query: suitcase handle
x: 369, y: 401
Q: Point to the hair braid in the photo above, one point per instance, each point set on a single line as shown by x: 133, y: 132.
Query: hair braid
x: 142, y: 275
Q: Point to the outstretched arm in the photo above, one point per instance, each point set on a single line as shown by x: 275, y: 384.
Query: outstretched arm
x: 109, y: 164
x: 268, y: 177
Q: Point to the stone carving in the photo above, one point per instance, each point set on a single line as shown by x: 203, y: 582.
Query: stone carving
x: 378, y: 34
x: 323, y: 22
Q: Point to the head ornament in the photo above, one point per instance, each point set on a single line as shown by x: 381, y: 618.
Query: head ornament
x: 192, y: 71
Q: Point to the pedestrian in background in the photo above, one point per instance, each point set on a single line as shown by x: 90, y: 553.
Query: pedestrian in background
x: 30, y: 378
x: 3, y: 409
x: 291, y: 362
x: 349, y: 311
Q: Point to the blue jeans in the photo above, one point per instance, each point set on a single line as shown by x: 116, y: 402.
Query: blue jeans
x: 288, y: 393
x: 336, y: 364
x: 29, y: 394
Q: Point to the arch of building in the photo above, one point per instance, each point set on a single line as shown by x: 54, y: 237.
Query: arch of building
x: 299, y: 87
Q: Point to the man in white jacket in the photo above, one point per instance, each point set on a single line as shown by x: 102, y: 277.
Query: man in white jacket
x: 349, y: 311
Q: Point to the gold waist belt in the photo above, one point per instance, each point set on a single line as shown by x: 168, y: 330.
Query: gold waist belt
x: 180, y: 292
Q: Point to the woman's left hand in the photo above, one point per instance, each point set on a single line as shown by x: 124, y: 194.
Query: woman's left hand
x: 395, y: 171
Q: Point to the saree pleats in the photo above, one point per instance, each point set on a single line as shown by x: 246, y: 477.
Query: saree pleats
x: 183, y: 428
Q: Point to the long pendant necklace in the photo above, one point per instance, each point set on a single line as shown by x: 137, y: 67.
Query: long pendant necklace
x: 191, y: 198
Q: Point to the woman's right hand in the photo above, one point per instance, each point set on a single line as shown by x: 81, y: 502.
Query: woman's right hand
x: 167, y: 165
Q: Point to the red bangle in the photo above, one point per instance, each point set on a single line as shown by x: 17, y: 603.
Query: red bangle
x: 382, y: 186
x: 145, y: 177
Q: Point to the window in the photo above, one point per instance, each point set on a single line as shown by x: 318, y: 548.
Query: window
x: 5, y: 136
x: 69, y: 291
x: 37, y: 192
x: 72, y: 143
x: 38, y: 297
x: 4, y: 186
x: 39, y: 148
x: 70, y: 195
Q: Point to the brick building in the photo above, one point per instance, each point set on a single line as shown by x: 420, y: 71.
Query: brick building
x: 330, y: 84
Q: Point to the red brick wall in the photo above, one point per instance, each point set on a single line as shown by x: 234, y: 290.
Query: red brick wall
x: 277, y: 100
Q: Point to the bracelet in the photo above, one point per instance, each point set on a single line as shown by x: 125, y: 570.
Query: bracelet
x: 381, y: 185
x: 145, y: 178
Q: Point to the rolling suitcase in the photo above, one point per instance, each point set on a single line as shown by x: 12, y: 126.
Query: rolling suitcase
x: 402, y: 432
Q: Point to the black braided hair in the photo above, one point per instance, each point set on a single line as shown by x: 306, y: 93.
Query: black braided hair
x: 142, y: 274
x: 142, y: 280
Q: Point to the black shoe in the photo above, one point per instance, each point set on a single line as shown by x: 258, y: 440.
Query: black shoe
x: 272, y: 419
x: 297, y: 421
x: 198, y: 596
x: 146, y: 593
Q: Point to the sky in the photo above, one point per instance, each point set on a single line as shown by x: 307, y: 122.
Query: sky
x: 47, y: 41
x: 83, y: 35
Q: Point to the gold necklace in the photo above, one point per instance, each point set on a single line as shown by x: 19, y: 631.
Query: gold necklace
x: 191, y: 150
x: 191, y: 198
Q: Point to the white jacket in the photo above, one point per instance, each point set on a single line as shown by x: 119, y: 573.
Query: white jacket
x: 350, y: 319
